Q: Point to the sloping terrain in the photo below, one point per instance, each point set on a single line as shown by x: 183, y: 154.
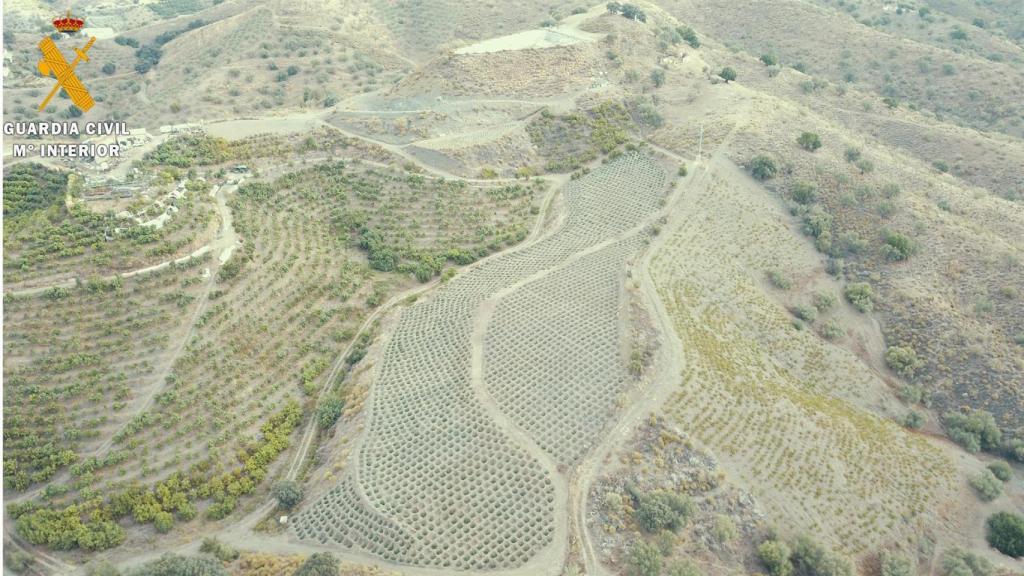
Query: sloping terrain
x: 661, y: 288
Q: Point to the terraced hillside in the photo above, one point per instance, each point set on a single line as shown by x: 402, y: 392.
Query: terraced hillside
x: 755, y: 389
x: 438, y: 445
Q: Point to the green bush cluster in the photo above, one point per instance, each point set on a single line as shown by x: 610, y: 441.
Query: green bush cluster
x: 806, y: 558
x: 93, y: 525
x: 218, y: 549
x: 809, y: 141
x: 763, y: 168
x: 861, y: 295
x: 663, y: 510
x: 903, y: 360
x: 288, y: 494
x: 1006, y: 533
x: 976, y: 430
x: 1001, y: 470
x: 987, y: 485
x: 319, y: 564
x: 171, y: 564
x: 957, y: 562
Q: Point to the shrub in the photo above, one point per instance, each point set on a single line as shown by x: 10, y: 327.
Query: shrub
x: 852, y: 154
x: 769, y: 59
x: 658, y: 77
x: 957, y: 562
x: 913, y: 420
x: 804, y: 193
x: 805, y: 313
x: 724, y: 529
x: 681, y: 568
x: 865, y: 166
x: 763, y: 168
x: 824, y: 301
x: 896, y: 564
x: 682, y: 170
x: 813, y: 559
x: 663, y: 511
x: 163, y: 522
x: 109, y: 68
x: 861, y: 295
x: 644, y: 560
x: 319, y: 564
x: 1001, y: 470
x: 104, y: 568
x: 1006, y: 533
x: 779, y: 280
x: 666, y: 542
x: 897, y: 247
x: 218, y: 549
x: 173, y: 565
x: 775, y: 556
x: 689, y: 36
x: 976, y: 430
x: 328, y: 412
x: 987, y: 486
x: 831, y: 329
x: 903, y: 360
x: 288, y: 494
x: 727, y: 74
x: 809, y: 141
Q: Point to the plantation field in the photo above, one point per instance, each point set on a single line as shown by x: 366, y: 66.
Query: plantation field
x: 808, y: 447
x: 435, y: 442
x: 176, y: 377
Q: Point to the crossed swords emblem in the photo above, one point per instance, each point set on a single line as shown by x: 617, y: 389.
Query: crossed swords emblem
x: 53, y: 62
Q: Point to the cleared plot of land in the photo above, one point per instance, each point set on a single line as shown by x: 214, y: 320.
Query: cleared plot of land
x: 780, y: 407
x: 436, y: 469
x: 541, y: 38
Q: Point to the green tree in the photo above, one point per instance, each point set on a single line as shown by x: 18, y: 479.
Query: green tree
x: 658, y: 77
x: 663, y: 510
x: 288, y: 494
x: 1006, y: 533
x: 644, y: 560
x: 809, y: 141
x: 328, y: 411
x: 319, y: 564
x: 775, y: 556
x: 109, y: 68
x: 769, y: 59
x: 727, y: 74
x: 957, y: 562
x: 763, y: 168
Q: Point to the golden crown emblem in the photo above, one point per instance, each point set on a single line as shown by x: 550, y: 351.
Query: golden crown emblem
x: 68, y: 24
